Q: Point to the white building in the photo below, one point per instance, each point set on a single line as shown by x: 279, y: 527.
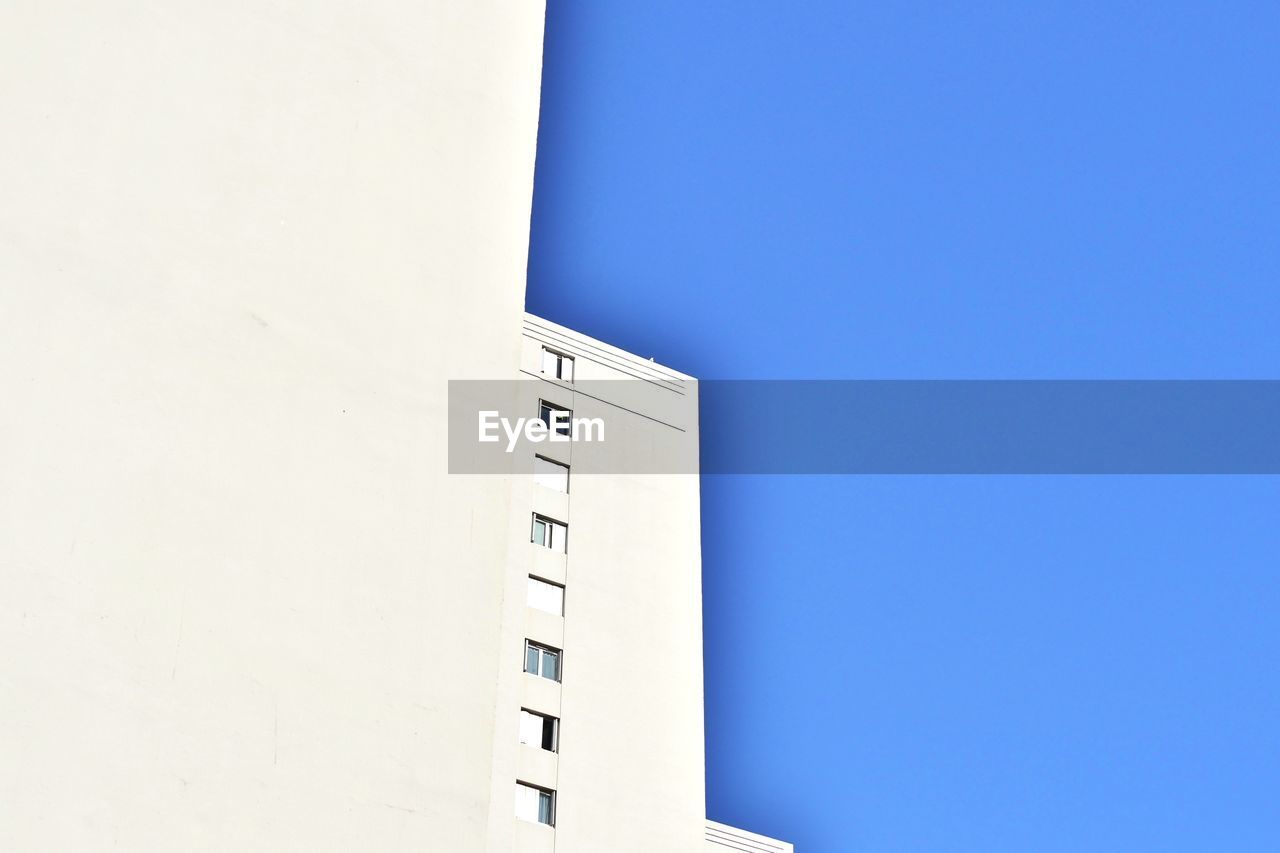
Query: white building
x: 243, y: 245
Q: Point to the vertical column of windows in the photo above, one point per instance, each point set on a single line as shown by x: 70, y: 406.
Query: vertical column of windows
x: 542, y: 731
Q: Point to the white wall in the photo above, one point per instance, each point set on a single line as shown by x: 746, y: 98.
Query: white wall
x: 242, y: 245
x: 629, y: 774
x: 722, y: 838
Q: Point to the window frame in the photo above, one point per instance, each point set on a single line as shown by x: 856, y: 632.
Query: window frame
x: 555, y: 730
x: 543, y: 651
x: 566, y: 428
x: 542, y: 580
x: 560, y: 359
x: 550, y: 524
x: 538, y: 457
x: 550, y: 794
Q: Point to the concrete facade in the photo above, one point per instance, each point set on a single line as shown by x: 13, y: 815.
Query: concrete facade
x: 629, y: 774
x: 721, y: 839
x: 243, y: 246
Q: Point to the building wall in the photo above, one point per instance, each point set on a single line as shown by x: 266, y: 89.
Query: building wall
x: 629, y: 774
x: 722, y: 839
x: 242, y: 245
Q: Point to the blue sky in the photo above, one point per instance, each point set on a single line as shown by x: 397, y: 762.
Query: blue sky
x: 934, y: 191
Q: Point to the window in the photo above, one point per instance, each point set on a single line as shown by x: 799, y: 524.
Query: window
x: 549, y: 533
x: 535, y: 804
x: 551, y: 474
x: 557, y: 418
x: 539, y: 731
x: 557, y: 365
x: 546, y: 596
x: 542, y: 661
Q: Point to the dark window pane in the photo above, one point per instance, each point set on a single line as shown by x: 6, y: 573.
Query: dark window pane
x: 549, y: 734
